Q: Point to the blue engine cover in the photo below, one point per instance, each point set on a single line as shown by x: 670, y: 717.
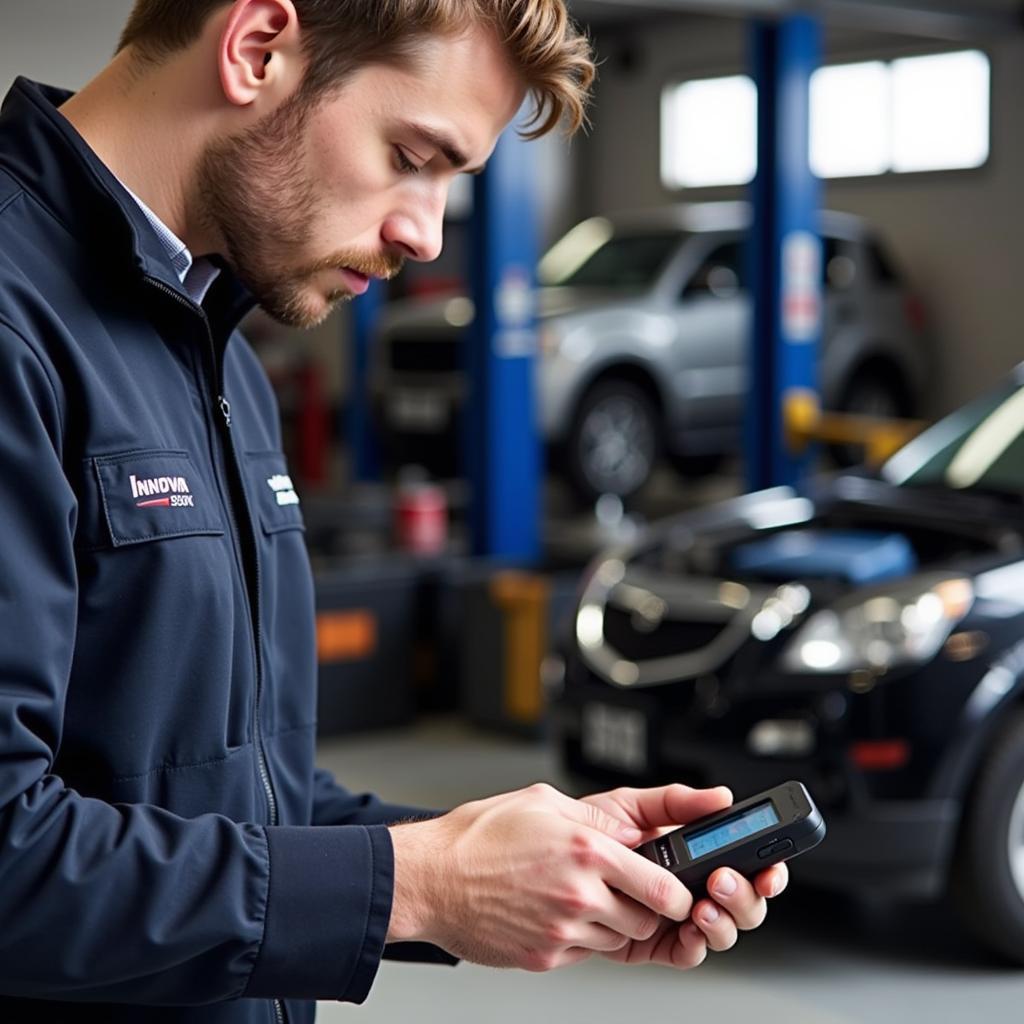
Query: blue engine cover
x: 856, y: 556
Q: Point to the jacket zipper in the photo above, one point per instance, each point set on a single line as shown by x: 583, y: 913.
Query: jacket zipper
x: 253, y: 590
x: 254, y: 600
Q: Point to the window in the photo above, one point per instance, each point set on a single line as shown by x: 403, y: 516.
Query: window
x: 915, y: 114
x: 709, y: 133
x: 850, y: 120
x: 940, y: 116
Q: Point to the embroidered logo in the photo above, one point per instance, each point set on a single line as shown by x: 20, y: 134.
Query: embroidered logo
x: 284, y: 489
x: 162, y: 492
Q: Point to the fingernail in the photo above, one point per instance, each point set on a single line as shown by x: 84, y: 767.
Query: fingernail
x: 709, y: 914
x: 630, y: 835
x: 725, y: 885
x: 776, y: 887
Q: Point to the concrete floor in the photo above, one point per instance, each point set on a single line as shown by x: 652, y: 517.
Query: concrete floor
x: 818, y: 960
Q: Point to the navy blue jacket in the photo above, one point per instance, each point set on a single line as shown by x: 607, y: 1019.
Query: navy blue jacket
x: 165, y: 840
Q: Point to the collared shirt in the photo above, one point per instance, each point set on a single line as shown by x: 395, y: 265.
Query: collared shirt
x: 196, y: 275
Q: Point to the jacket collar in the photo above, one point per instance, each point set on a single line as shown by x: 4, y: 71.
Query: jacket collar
x: 41, y: 148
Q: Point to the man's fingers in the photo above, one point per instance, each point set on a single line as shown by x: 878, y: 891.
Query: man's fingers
x: 717, y: 925
x: 665, y: 805
x: 574, y: 956
x: 595, y: 817
x: 773, y: 881
x: 647, y: 883
x: 597, y: 938
x: 734, y: 893
x: 689, y: 947
x: 627, y: 917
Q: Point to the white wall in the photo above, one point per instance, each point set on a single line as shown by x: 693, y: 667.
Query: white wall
x: 60, y: 42
x: 958, y: 236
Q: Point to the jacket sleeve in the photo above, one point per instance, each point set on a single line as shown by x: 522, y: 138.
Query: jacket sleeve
x: 130, y: 903
x: 335, y: 805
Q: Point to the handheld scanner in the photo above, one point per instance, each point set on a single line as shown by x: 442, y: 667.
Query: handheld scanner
x: 747, y: 837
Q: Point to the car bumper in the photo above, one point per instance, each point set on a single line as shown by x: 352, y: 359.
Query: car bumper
x: 900, y: 848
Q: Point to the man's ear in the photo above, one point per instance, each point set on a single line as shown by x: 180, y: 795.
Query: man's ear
x: 259, y: 55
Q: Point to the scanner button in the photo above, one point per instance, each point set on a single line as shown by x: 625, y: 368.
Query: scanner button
x: 782, y: 846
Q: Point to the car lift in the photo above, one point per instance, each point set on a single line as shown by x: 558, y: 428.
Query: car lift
x: 504, y: 453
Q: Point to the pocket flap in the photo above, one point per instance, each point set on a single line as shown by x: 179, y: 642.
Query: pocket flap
x: 273, y: 492
x: 149, y: 495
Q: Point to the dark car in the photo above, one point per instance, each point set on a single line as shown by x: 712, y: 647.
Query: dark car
x: 864, y: 634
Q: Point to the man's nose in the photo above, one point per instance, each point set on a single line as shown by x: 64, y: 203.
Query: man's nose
x: 418, y: 235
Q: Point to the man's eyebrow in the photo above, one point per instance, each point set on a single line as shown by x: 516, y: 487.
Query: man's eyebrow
x: 445, y: 145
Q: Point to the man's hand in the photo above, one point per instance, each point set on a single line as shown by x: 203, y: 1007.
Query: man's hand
x: 736, y: 904
x: 530, y: 879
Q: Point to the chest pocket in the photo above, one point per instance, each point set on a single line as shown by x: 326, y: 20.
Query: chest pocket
x: 272, y: 492
x: 152, y: 495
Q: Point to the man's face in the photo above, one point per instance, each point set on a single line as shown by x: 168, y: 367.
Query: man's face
x: 310, y: 203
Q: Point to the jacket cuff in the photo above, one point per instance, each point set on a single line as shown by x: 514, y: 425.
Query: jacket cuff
x: 328, y: 910
x: 419, y: 953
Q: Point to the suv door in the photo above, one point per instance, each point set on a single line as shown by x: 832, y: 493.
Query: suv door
x: 709, y: 357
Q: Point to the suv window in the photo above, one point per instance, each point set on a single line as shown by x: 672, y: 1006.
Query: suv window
x: 879, y: 266
x: 625, y: 261
x: 722, y: 274
x: 838, y: 263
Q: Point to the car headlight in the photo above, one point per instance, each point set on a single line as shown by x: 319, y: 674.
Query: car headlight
x: 892, y: 628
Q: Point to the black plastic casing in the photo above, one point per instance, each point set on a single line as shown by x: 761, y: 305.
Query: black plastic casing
x: 800, y: 828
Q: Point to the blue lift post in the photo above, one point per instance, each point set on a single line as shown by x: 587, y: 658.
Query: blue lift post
x: 362, y: 439
x: 503, y: 447
x: 785, y: 251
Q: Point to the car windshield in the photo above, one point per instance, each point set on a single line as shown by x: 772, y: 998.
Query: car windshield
x: 595, y: 255
x: 978, y: 447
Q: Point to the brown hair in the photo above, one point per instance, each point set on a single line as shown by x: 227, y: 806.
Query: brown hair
x: 548, y: 51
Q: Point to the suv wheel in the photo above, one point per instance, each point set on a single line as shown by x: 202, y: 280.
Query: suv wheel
x: 614, y: 442
x: 988, y: 874
x: 869, y: 393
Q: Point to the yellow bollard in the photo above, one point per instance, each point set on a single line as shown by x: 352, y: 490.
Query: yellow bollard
x: 523, y: 599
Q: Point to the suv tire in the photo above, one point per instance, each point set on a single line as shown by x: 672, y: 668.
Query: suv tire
x: 988, y: 872
x: 615, y: 441
x: 869, y: 392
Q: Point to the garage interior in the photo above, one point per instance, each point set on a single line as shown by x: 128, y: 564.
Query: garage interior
x: 464, y: 552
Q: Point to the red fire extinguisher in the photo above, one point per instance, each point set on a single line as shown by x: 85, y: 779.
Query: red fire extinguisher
x: 421, y: 515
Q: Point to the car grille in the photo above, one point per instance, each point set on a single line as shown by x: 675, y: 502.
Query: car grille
x: 426, y: 355
x: 670, y: 637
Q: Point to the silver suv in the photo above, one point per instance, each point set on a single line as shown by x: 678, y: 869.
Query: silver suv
x: 645, y: 322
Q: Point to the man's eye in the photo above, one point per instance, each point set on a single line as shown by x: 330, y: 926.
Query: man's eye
x: 405, y: 165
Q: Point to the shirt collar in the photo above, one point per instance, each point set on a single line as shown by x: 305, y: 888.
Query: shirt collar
x: 195, y: 275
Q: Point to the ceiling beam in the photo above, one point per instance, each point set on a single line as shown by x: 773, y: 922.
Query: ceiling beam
x: 953, y: 21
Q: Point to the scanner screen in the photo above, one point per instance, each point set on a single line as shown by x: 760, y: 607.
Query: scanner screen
x: 750, y: 822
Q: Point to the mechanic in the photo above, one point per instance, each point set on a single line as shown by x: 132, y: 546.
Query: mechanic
x: 168, y: 852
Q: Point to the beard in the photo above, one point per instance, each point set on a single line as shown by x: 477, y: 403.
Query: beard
x: 254, y: 192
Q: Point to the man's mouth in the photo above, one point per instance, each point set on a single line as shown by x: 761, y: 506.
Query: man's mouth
x: 356, y: 282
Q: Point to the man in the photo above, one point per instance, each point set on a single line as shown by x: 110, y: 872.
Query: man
x: 167, y: 850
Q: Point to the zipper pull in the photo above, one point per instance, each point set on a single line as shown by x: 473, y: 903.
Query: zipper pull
x: 225, y: 409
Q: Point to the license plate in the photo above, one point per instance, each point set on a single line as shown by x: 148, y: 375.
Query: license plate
x: 615, y: 737
x: 419, y: 411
